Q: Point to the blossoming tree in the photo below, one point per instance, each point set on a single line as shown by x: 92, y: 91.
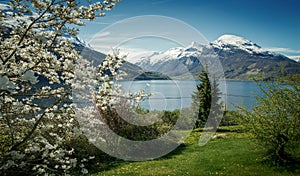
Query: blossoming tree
x: 37, y: 63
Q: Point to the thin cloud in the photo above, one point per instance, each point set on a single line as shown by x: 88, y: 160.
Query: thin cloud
x: 102, y: 34
x: 295, y: 58
x: 160, y: 2
x: 101, y: 23
x: 284, y: 50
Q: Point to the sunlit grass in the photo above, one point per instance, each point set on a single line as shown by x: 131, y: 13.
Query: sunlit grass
x: 235, y: 154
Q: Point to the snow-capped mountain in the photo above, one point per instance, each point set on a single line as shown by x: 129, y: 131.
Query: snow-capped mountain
x: 240, y: 58
x: 194, y: 49
x: 172, y: 62
x: 227, y: 42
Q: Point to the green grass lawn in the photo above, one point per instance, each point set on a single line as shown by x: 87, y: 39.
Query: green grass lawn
x: 232, y: 155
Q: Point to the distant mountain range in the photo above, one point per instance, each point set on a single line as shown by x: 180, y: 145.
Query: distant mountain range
x: 134, y: 72
x: 240, y: 58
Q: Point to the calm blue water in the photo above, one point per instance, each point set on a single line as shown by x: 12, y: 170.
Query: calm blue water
x: 173, y: 94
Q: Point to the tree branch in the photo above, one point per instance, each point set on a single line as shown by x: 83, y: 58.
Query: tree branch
x: 25, y: 33
x: 30, y: 133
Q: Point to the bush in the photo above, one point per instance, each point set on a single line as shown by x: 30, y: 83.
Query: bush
x: 275, y: 121
x: 116, y: 122
x: 228, y: 119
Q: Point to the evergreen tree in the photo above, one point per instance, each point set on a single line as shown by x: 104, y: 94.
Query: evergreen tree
x: 206, y: 98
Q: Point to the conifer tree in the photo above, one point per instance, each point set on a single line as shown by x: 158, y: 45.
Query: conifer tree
x: 207, y: 99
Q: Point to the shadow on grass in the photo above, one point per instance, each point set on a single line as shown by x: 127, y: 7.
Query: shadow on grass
x: 175, y: 152
x: 290, y: 165
x: 222, y: 129
x: 102, y: 163
x: 84, y: 149
x: 105, y: 162
x: 294, y: 166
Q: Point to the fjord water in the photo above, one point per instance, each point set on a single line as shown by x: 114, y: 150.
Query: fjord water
x: 175, y: 94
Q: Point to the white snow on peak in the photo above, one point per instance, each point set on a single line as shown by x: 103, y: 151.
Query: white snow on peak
x: 156, y: 57
x: 192, y: 50
x: 135, y: 56
x: 76, y: 40
x: 196, y: 45
x: 233, y: 40
x: 174, y: 52
x: 295, y: 58
x: 227, y: 41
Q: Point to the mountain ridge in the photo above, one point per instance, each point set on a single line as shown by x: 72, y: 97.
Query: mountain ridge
x: 240, y: 58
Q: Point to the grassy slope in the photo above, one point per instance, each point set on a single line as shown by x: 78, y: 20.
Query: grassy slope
x: 233, y: 155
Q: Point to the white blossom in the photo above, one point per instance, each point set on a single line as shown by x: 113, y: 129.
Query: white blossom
x: 84, y: 171
x: 36, y: 117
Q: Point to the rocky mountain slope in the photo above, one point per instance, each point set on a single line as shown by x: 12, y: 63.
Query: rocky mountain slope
x: 240, y: 58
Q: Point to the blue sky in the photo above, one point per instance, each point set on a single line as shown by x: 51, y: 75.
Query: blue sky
x: 273, y: 24
x: 269, y: 23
